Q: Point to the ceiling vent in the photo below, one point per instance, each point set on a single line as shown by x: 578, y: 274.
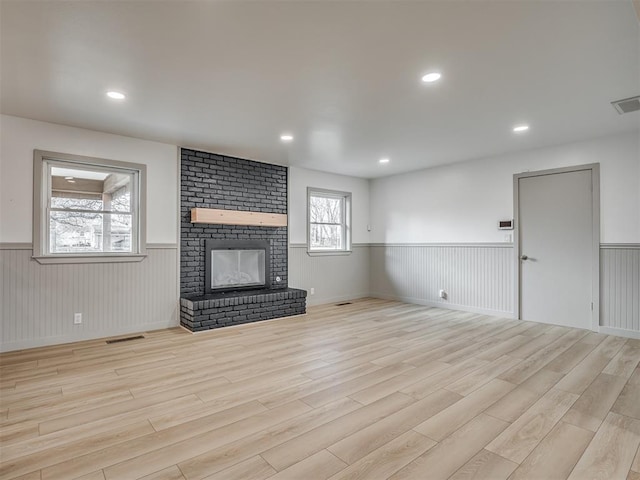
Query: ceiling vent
x: 627, y: 105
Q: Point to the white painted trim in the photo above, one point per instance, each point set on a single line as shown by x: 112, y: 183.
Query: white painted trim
x: 463, y: 245
x: 447, y: 306
x: 82, y: 336
x: 16, y: 246
x: 41, y: 192
x: 460, y: 245
x: 29, y: 246
x: 620, y: 246
x: 353, y: 245
x: 346, y: 224
x: 75, y: 259
x: 340, y: 298
x: 603, y: 246
x: 162, y: 246
x: 620, y: 332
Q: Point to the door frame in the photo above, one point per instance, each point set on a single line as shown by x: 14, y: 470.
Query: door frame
x: 595, y: 247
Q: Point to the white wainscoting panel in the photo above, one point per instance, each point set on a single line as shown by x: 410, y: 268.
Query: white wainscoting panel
x: 476, y: 277
x: 37, y: 302
x: 333, y: 277
x: 620, y: 289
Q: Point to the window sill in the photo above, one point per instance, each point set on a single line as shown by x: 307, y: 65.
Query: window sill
x: 113, y: 258
x: 327, y: 253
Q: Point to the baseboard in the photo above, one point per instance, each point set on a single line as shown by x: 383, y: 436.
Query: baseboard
x: 79, y: 337
x: 446, y: 305
x: 315, y: 300
x: 620, y: 332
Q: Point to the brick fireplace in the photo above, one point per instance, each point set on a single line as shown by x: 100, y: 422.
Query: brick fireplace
x: 218, y: 182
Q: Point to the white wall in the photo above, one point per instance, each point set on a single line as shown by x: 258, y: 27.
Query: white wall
x: 20, y: 136
x: 463, y: 202
x: 37, y: 302
x: 301, y: 178
x: 337, y: 277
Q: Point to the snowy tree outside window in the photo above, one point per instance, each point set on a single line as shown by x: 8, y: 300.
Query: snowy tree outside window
x: 329, y: 220
x: 89, y: 209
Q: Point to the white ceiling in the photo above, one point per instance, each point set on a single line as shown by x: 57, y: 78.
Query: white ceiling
x: 343, y: 77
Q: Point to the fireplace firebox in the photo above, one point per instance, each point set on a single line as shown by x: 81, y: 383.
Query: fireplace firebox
x: 236, y: 265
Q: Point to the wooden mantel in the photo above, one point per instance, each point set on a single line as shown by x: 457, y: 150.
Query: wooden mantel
x: 237, y: 217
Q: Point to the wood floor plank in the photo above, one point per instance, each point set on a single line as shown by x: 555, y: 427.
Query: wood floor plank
x: 596, y: 401
x: 628, y: 402
x: 485, y: 465
x: 216, y: 459
x: 318, y: 466
x: 611, y: 452
x: 297, y: 449
x: 48, y: 457
x: 443, y: 378
x: 448, y: 456
x: 345, y: 389
x: 191, y: 448
x: 565, y: 362
x: 387, y: 459
x: 102, y: 412
x: 556, y: 455
x: 625, y: 362
x: 97, y: 475
x: 451, y: 418
x: 254, y: 468
x: 29, y: 476
x: 483, y: 375
x: 393, y: 384
x: 363, y: 442
x: 170, y: 473
x: 516, y: 402
x: 18, y: 432
x: 523, y: 435
x: 281, y: 396
x: 121, y: 452
x: 536, y: 361
x: 380, y: 378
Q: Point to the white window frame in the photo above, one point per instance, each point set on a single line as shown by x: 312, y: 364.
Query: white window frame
x: 42, y: 163
x: 345, y: 225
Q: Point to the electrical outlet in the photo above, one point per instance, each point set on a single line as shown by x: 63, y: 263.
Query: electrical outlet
x: 312, y: 291
x: 77, y: 318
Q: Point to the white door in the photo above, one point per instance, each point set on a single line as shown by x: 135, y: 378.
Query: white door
x: 556, y: 230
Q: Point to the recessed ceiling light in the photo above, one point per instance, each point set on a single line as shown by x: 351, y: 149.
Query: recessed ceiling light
x: 71, y: 181
x: 431, y: 77
x: 384, y: 160
x: 68, y: 178
x: 116, y: 95
x: 286, y: 137
x: 520, y: 128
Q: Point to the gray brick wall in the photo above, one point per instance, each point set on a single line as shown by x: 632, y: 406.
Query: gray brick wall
x: 222, y: 310
x: 208, y: 180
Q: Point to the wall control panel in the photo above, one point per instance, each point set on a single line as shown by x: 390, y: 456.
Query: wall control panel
x: 505, y: 225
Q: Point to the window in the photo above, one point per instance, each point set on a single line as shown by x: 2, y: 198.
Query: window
x: 329, y: 214
x: 87, y: 209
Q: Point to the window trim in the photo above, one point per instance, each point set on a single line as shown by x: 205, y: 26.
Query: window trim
x: 346, y: 196
x: 41, y: 179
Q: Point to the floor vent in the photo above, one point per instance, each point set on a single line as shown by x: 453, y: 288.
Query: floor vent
x: 343, y: 303
x: 126, y: 339
x: 627, y: 105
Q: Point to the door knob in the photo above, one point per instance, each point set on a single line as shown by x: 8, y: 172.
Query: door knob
x: 523, y: 257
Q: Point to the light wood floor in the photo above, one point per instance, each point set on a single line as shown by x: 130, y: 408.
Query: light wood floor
x: 372, y: 390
